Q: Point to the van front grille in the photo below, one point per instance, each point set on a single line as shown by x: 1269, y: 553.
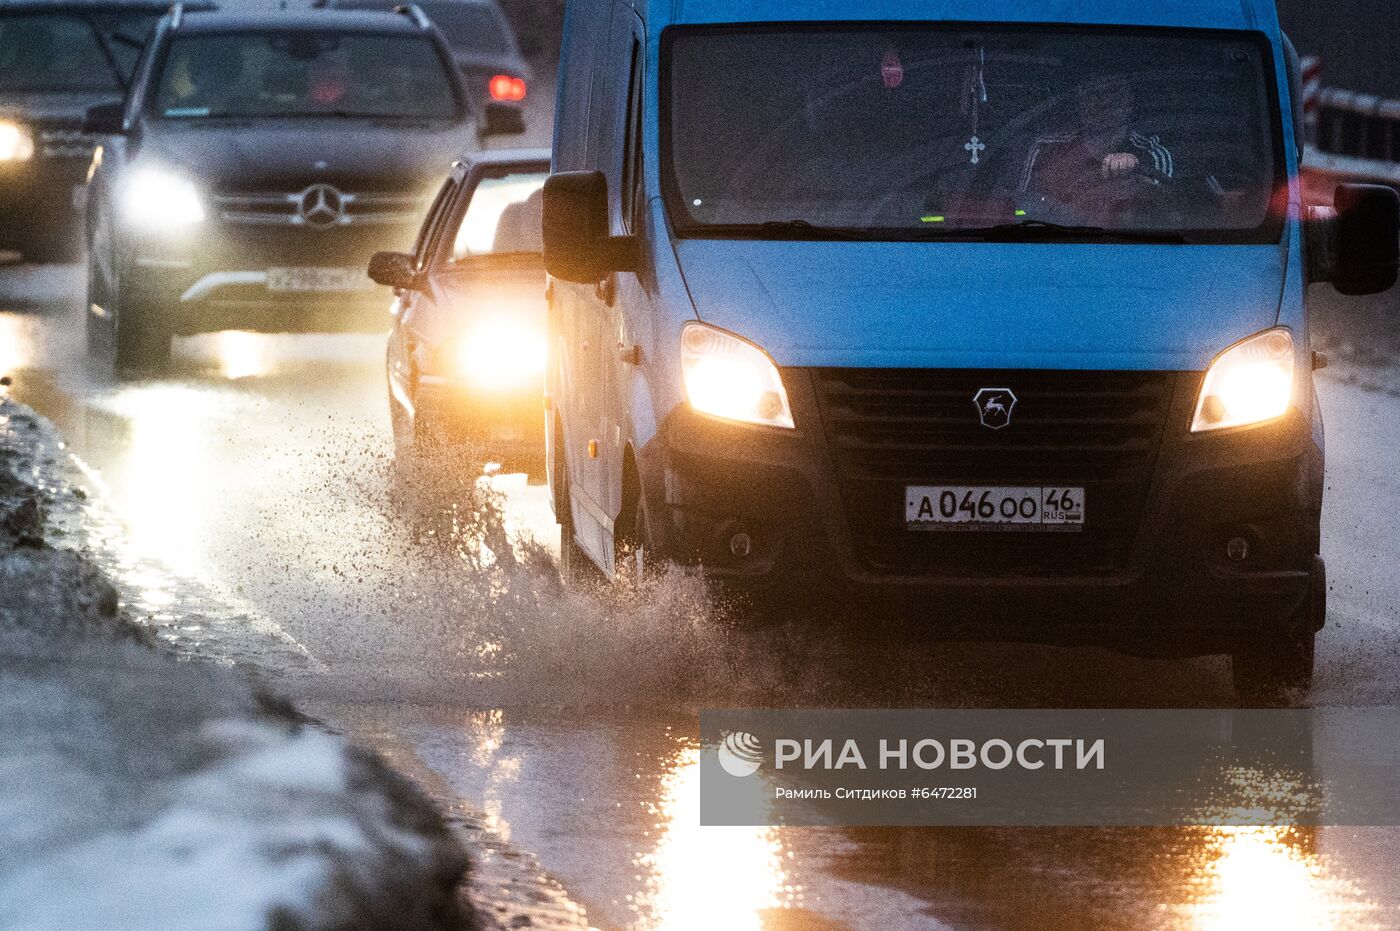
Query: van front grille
x: 891, y: 428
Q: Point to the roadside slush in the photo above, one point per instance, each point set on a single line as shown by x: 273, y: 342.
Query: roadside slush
x: 145, y: 791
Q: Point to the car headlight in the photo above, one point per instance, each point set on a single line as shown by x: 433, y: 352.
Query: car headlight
x: 16, y: 142
x: 1249, y: 383
x: 159, y: 201
x: 498, y: 354
x: 729, y: 377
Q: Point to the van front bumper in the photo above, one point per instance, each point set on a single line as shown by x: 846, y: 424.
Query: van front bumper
x: 1153, y: 579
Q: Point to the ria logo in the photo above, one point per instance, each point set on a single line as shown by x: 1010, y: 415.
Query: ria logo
x: 994, y: 407
x: 740, y: 754
x: 321, y: 206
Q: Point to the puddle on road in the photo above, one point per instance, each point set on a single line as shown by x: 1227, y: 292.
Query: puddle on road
x: 260, y: 475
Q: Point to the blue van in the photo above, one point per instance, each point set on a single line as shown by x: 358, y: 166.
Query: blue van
x: 989, y: 315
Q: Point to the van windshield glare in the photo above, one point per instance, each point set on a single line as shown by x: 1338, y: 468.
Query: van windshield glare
x: 917, y: 132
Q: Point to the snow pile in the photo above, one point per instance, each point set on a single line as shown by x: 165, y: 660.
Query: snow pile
x: 142, y: 792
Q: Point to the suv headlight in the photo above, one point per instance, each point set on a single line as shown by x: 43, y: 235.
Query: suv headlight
x: 160, y: 201
x: 16, y: 142
x: 1249, y: 383
x: 729, y: 377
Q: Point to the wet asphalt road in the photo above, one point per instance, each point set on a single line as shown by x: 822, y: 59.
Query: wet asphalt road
x: 250, y: 506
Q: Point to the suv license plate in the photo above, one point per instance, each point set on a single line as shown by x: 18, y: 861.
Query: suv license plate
x: 318, y: 279
x: 995, y: 508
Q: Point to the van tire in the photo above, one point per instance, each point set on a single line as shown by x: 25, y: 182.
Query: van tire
x: 635, y: 557
x: 1277, y: 670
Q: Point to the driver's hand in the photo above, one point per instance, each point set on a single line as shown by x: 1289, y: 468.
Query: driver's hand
x: 1119, y: 165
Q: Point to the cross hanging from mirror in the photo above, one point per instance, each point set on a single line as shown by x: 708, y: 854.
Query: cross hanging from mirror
x: 976, y: 147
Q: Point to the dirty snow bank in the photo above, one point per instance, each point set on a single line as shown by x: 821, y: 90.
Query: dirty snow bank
x: 142, y: 792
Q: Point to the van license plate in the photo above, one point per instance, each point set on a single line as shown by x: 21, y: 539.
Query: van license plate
x: 996, y: 508
x: 317, y: 279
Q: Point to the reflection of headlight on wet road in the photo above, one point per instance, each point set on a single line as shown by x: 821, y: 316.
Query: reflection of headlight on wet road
x: 161, y: 202
x: 16, y: 142
x: 499, y: 355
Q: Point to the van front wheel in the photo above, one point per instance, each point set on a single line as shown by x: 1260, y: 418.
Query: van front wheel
x: 1278, y: 670
x: 636, y: 557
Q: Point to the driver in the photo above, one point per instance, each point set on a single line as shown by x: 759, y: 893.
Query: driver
x: 1105, y: 152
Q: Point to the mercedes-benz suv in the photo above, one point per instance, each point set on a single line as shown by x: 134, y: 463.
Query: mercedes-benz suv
x: 260, y: 159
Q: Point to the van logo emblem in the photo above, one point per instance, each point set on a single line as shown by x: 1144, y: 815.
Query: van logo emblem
x: 994, y: 407
x: 321, y: 206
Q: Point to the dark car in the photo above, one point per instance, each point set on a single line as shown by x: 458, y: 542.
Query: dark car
x: 467, y: 351
x: 57, y: 59
x: 484, y: 47
x: 262, y: 158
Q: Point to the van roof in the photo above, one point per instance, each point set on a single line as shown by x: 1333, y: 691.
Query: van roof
x: 1207, y: 14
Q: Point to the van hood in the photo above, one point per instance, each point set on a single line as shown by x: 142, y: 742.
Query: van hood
x: 985, y: 305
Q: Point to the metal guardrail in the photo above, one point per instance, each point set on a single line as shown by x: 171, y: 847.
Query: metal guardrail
x: 1358, y: 125
x: 1347, y: 124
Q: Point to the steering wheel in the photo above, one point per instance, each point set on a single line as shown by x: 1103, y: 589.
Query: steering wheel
x: 1091, y: 195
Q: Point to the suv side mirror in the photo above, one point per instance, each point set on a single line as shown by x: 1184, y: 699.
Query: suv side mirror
x: 104, y: 120
x: 394, y: 269
x: 501, y: 120
x: 577, y: 246
x: 1356, y: 245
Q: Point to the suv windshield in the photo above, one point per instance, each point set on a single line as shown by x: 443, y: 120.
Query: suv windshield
x: 61, y: 52
x: 468, y: 26
x: 936, y: 131
x: 308, y: 74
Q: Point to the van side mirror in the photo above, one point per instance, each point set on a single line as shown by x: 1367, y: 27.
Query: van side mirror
x: 577, y: 246
x: 501, y: 120
x: 1356, y: 244
x: 1368, y: 238
x: 394, y: 269
x: 104, y: 120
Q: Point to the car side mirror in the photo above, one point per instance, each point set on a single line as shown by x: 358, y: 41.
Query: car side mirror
x: 577, y: 246
x: 105, y: 120
x: 394, y: 269
x: 1356, y: 244
x: 501, y: 120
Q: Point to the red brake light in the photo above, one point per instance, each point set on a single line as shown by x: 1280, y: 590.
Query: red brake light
x: 505, y: 87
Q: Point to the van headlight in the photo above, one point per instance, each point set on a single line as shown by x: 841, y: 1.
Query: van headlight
x: 729, y: 377
x: 16, y: 142
x: 160, y: 201
x: 1249, y: 383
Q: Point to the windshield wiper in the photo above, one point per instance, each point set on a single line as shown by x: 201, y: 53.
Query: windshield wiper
x: 1036, y: 230
x: 783, y: 229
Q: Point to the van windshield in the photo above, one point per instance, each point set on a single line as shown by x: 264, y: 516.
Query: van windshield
x: 935, y: 131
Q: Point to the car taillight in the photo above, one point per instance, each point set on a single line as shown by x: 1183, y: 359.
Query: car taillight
x: 505, y: 87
